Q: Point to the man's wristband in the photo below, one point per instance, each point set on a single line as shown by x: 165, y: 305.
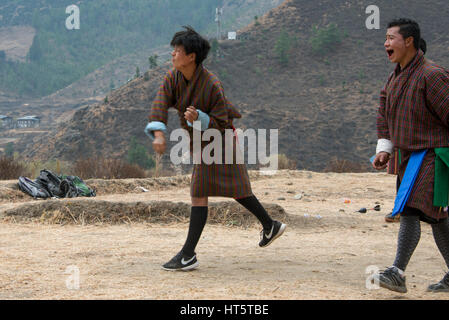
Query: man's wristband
x: 384, y: 145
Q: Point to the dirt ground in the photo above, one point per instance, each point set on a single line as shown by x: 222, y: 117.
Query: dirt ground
x: 325, y: 252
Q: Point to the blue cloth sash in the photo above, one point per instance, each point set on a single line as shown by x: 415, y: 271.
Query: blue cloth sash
x: 411, y: 172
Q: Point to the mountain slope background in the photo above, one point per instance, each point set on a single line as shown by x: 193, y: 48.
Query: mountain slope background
x: 109, y: 29
x: 322, y: 98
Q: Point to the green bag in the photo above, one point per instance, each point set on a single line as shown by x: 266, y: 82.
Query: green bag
x: 76, y: 187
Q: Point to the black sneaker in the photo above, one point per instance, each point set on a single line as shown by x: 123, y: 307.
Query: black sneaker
x: 390, y: 279
x: 390, y: 218
x: 442, y: 286
x: 276, y: 231
x: 181, y: 262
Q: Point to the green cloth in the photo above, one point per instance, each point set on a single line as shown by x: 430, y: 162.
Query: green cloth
x: 441, y: 183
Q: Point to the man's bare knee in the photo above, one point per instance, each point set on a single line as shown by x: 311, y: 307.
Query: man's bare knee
x: 199, y: 202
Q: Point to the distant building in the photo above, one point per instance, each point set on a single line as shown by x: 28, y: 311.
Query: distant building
x: 6, y: 122
x: 232, y: 35
x: 28, y: 122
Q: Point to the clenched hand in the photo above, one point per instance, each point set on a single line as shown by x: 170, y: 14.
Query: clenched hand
x: 191, y: 114
x: 381, y: 160
x: 159, y: 144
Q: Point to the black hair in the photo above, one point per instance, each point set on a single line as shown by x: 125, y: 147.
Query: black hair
x: 423, y: 45
x: 192, y: 41
x: 409, y: 28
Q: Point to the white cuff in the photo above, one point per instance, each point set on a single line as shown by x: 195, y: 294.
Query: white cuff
x: 384, y: 145
x: 154, y: 126
x: 203, y: 118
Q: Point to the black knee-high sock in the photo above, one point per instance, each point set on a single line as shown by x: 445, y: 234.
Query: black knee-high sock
x: 441, y: 236
x: 408, y: 238
x: 253, y: 205
x: 198, y: 218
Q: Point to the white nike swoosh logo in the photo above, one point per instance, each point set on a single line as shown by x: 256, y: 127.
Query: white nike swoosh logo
x: 271, y: 232
x: 186, y: 262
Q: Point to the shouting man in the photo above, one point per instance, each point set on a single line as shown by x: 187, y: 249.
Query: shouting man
x: 414, y: 117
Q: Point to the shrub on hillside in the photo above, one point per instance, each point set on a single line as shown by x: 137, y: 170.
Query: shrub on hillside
x: 282, y: 47
x: 102, y: 168
x: 138, y: 154
x: 214, y: 48
x: 11, y: 168
x: 55, y: 165
x: 152, y: 60
x: 256, y: 21
x: 9, y: 149
x: 325, y: 39
x: 283, y: 162
x: 344, y: 166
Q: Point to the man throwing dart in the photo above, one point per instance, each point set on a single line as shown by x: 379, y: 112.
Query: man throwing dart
x: 198, y: 96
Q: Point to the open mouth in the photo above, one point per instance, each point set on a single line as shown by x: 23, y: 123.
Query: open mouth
x: 390, y: 52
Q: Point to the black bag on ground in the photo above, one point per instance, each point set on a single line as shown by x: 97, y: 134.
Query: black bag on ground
x: 51, y: 182
x: 32, y: 188
x: 49, y: 185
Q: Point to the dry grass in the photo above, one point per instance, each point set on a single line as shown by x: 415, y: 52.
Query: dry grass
x: 159, y: 170
x: 56, y: 166
x: 9, y: 191
x: 285, y: 162
x: 103, y: 168
x: 344, y: 166
x: 11, y: 168
x: 86, y: 211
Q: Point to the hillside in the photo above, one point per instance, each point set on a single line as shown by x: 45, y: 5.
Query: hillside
x: 117, y: 72
x: 16, y: 41
x: 108, y: 30
x: 61, y: 56
x: 323, y: 102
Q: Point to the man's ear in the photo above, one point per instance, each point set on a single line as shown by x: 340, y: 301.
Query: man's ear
x: 192, y: 56
x: 409, y: 41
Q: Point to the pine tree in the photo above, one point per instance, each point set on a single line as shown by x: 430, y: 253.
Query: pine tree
x: 282, y: 47
x: 153, y: 61
x: 256, y: 20
x: 138, y: 154
x: 9, y: 149
x: 35, y: 53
